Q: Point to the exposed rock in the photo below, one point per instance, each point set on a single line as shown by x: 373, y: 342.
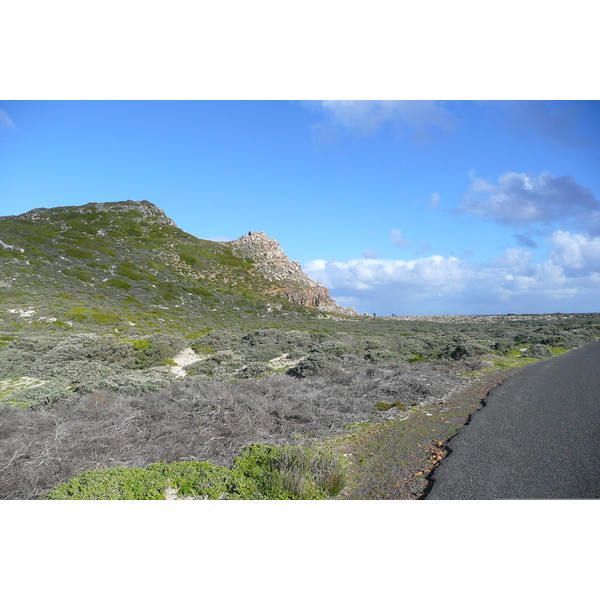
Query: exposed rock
x: 294, y: 285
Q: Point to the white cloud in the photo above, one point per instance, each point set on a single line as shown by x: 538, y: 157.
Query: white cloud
x: 366, y: 117
x: 516, y: 260
x: 568, y: 280
x: 521, y: 199
x: 398, y: 240
x: 575, y: 251
x: 5, y: 121
x: 433, y: 271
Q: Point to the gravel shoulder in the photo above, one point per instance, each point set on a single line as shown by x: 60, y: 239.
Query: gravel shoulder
x: 395, y: 459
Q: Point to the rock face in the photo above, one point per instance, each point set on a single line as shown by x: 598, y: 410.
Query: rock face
x: 288, y: 278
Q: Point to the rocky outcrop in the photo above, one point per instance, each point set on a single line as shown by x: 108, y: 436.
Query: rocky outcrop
x: 288, y: 278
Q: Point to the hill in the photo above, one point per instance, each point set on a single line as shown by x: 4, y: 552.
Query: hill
x: 127, y: 266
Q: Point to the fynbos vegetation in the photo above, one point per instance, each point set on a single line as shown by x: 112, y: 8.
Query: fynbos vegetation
x: 137, y: 361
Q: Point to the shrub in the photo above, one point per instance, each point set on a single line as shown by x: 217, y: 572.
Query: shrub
x: 310, y: 365
x: 260, y: 472
x: 503, y: 345
x: 253, y: 369
x: 152, y: 351
x: 387, y: 405
x: 380, y: 354
x: 538, y: 351
x: 292, y: 472
x: 78, y: 253
x: 91, y: 346
x: 220, y: 363
x: 332, y: 349
x: 124, y: 382
x: 200, y: 349
x: 187, y: 257
x: 461, y: 348
x: 119, y: 283
x: 40, y: 396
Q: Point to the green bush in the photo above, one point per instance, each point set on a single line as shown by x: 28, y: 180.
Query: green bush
x: 253, y: 369
x: 78, y: 253
x: 200, y: 349
x: 40, y: 396
x: 380, y: 354
x: 538, y: 351
x: 119, y: 283
x: 220, y: 363
x: 461, y: 347
x: 261, y: 472
x: 152, y: 351
x: 130, y: 271
x: 310, y: 365
x: 292, y: 472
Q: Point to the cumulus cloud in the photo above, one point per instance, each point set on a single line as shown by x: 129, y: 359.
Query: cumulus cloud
x: 568, y: 280
x: 398, y: 240
x: 575, y: 252
x: 5, y: 121
x: 521, y: 200
x: 366, y: 117
x: 366, y: 274
x: 515, y: 260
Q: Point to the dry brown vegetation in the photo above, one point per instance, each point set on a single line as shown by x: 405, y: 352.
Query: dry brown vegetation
x: 202, y: 420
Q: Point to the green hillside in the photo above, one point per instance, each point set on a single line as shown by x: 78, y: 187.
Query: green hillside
x: 124, y: 266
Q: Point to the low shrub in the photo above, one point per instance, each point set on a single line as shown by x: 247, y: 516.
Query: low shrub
x: 153, y: 350
x: 131, y: 383
x: 380, y: 354
x: 196, y: 479
x: 119, y: 283
x: 310, y: 365
x: 40, y: 396
x: 222, y: 363
x: 460, y: 348
x: 387, y: 405
x: 538, y: 351
x: 261, y: 472
x: 253, y: 369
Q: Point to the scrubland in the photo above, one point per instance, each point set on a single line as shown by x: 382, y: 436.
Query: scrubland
x: 255, y: 414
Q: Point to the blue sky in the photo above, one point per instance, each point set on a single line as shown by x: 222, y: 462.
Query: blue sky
x: 404, y: 207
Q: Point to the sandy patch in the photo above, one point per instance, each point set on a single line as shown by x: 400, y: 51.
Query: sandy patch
x: 20, y: 383
x: 184, y: 358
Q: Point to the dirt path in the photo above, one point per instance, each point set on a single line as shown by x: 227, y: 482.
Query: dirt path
x: 394, y: 460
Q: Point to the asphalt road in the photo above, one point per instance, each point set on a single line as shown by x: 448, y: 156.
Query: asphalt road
x: 538, y: 436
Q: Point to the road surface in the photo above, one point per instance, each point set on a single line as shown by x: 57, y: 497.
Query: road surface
x: 538, y: 436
